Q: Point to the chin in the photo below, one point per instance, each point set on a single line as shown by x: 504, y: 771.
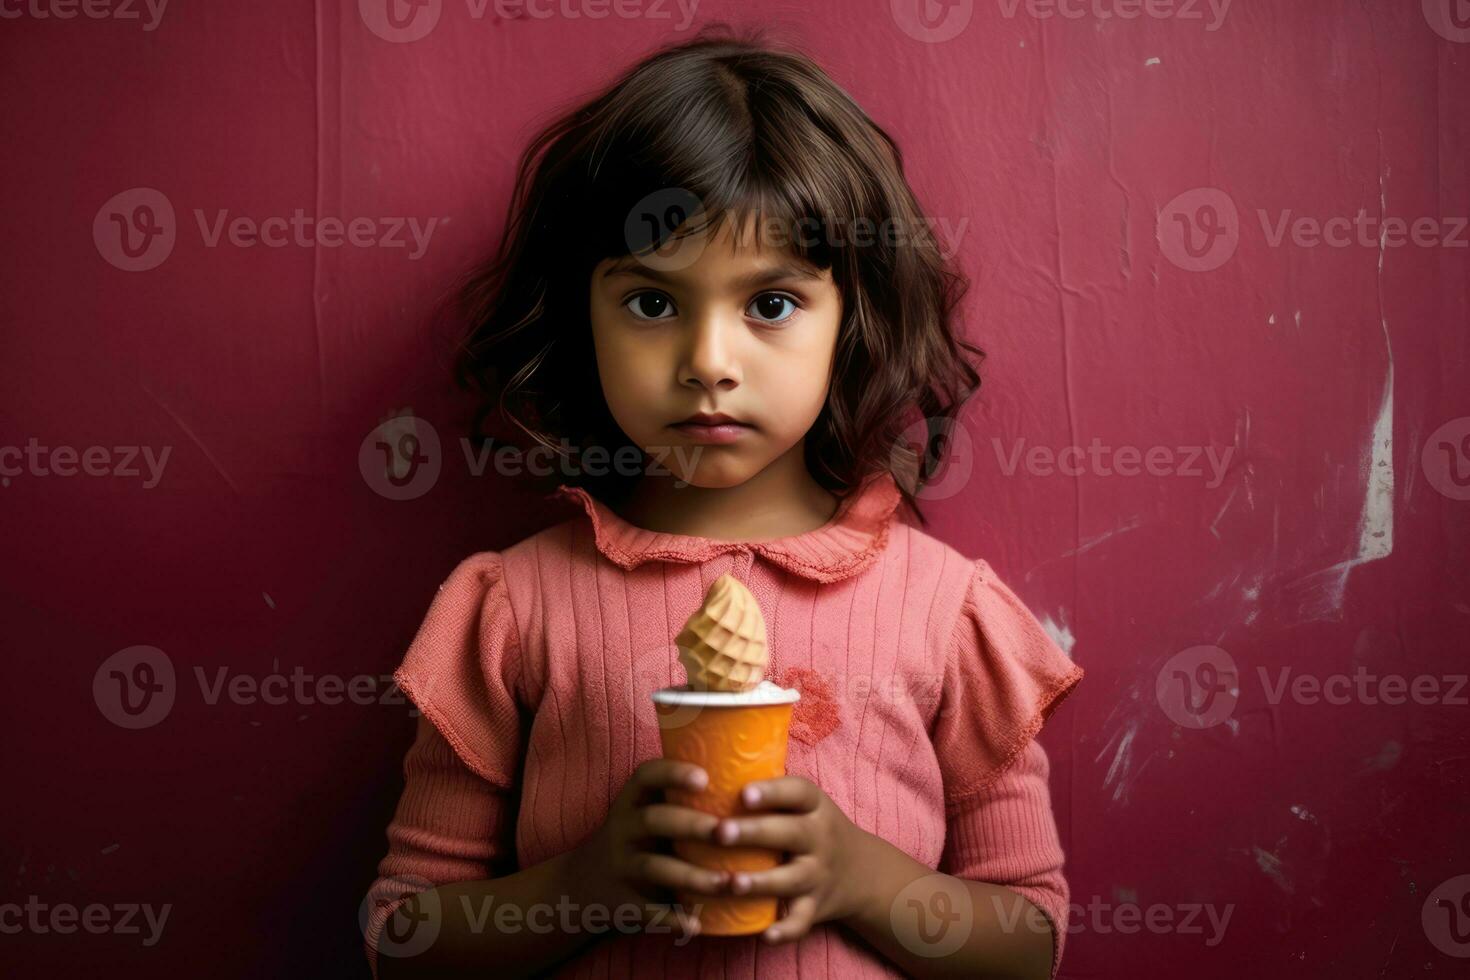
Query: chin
x: 714, y: 474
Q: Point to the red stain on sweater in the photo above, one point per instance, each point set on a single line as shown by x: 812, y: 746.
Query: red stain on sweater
x: 816, y: 715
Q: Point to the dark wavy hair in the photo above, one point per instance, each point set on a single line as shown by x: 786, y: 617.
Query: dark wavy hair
x: 719, y: 125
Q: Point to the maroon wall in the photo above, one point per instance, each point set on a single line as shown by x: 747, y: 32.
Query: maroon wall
x: 1269, y: 490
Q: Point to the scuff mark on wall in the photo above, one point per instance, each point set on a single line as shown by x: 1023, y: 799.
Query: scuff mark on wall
x: 1121, y: 772
x: 1093, y: 542
x: 1375, y: 537
x: 1270, y: 865
x: 1061, y: 634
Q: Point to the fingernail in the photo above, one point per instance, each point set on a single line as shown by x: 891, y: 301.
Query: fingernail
x: 742, y: 882
x: 729, y: 833
x: 697, y: 779
x: 752, y: 796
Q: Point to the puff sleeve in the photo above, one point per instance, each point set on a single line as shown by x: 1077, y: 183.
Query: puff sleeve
x: 455, y: 820
x: 1004, y: 676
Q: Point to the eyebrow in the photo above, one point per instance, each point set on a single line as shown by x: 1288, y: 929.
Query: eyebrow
x: 629, y: 266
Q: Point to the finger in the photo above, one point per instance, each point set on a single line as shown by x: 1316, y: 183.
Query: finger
x: 795, y: 877
x: 677, y: 822
x: 785, y: 793
x: 660, y: 774
x: 667, y: 871
x: 798, y: 921
x: 780, y: 832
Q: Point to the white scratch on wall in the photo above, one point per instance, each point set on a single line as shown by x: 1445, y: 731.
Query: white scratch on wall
x: 1117, y: 776
x: 1060, y: 635
x: 1091, y: 543
x: 1375, y: 533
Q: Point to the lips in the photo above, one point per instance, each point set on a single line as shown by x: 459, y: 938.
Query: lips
x: 714, y: 428
x: 708, y: 418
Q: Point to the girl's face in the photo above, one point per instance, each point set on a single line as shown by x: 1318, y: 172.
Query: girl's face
x: 741, y: 330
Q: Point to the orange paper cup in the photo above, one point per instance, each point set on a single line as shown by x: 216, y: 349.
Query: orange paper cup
x: 737, y: 738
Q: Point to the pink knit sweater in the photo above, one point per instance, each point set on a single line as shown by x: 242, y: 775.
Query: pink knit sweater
x: 924, y: 681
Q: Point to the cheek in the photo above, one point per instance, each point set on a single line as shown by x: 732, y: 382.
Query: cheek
x: 799, y: 380
x: 628, y: 374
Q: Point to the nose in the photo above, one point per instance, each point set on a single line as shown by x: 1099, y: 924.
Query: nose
x: 709, y: 360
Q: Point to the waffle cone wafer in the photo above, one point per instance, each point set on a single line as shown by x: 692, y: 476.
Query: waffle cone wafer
x: 723, y: 645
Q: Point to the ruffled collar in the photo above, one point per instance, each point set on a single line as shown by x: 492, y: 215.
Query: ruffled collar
x: 844, y: 546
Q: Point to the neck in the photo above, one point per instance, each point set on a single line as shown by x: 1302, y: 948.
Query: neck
x: 780, y: 501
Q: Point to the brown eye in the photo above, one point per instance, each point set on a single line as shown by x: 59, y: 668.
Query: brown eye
x: 773, y: 307
x: 649, y: 306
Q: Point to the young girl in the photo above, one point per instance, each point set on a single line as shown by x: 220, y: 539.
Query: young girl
x: 719, y: 302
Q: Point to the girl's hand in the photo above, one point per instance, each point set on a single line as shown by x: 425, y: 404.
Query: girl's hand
x: 821, y: 881
x: 625, y: 860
